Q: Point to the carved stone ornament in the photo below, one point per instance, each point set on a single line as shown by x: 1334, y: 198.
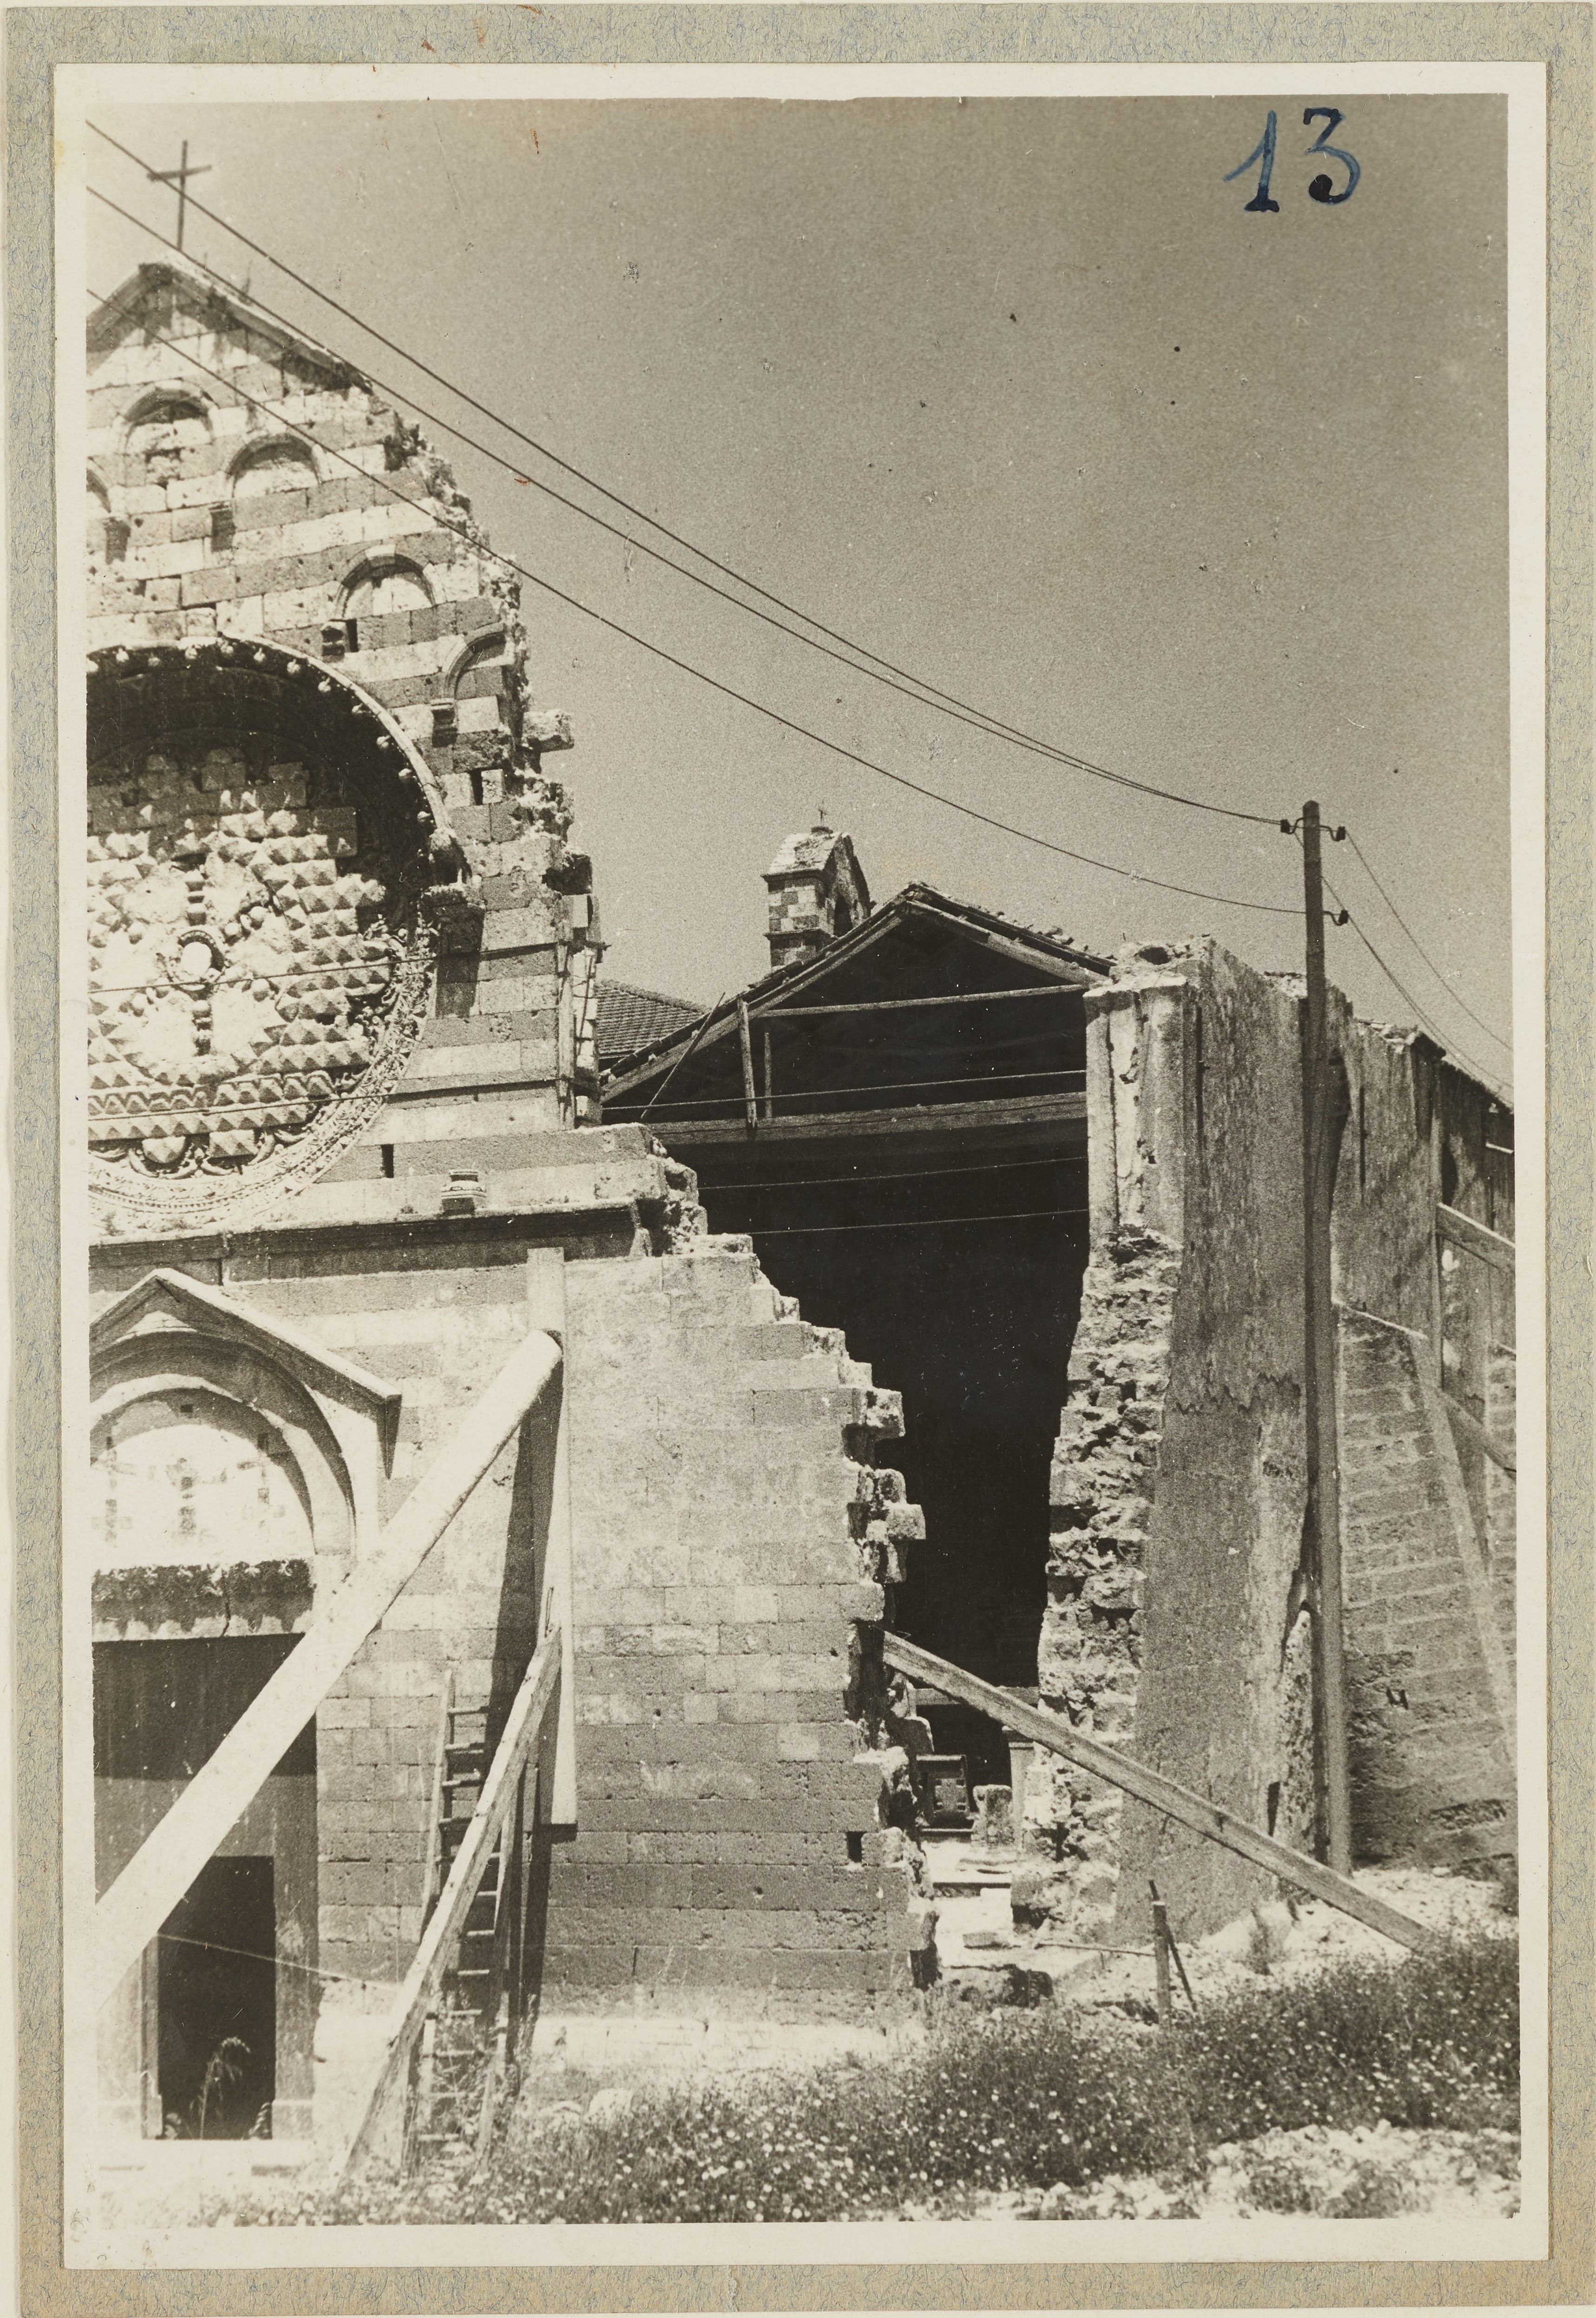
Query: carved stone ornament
x: 260, y: 851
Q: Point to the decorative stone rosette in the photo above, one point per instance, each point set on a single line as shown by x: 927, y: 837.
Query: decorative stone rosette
x: 261, y: 846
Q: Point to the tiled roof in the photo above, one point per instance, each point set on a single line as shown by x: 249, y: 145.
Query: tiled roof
x: 630, y: 1018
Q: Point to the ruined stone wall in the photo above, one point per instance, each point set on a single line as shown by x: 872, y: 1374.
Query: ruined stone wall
x: 1176, y: 1620
x: 725, y: 1510
x: 1178, y: 1494
x: 730, y: 1531
x: 1429, y: 1677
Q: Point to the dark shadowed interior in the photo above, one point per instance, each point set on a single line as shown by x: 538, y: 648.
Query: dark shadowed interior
x: 903, y: 1133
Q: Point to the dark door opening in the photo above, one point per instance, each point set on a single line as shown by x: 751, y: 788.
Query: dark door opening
x: 218, y: 2004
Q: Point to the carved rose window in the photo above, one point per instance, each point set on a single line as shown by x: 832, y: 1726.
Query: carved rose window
x: 259, y: 856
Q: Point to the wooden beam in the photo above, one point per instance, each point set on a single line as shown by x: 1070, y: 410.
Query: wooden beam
x: 1464, y: 1231
x: 160, y: 1872
x: 550, y: 1429
x: 520, y: 1736
x: 1039, y: 1116
x: 849, y: 949
x: 1150, y: 1786
x: 1479, y: 1437
x: 749, y: 1100
x: 780, y: 1014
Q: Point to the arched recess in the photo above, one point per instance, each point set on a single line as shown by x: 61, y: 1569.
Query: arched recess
x: 274, y: 463
x: 186, y: 1384
x: 484, y: 649
x: 383, y: 585
x: 239, y: 1509
x: 162, y: 432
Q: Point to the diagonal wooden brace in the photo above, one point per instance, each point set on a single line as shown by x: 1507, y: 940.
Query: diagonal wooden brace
x: 160, y: 1872
x: 1051, y: 1731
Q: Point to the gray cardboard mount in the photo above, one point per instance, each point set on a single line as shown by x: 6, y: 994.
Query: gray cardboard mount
x: 40, y: 40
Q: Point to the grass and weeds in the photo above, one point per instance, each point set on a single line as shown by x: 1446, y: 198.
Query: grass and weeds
x: 1007, y: 2101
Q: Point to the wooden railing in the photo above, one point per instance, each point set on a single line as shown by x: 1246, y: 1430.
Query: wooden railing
x: 501, y: 1792
x: 1149, y: 1786
x: 1498, y: 1256
x: 1463, y: 1232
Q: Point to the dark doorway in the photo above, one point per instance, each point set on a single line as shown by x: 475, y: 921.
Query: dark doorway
x: 161, y: 1710
x: 218, y: 2004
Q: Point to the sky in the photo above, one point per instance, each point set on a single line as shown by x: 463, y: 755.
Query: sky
x: 1018, y: 395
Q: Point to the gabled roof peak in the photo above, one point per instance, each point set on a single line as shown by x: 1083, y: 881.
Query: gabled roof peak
x: 1054, y: 958
x: 172, y: 286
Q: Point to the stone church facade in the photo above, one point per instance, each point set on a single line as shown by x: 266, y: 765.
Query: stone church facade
x: 338, y: 1078
x: 347, y: 1151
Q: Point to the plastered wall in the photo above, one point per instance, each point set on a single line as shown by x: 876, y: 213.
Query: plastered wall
x: 1175, y: 1623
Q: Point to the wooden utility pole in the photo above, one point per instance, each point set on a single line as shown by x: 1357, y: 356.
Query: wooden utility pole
x: 1319, y: 1378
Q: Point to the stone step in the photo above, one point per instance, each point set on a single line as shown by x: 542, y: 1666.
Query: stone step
x: 955, y: 1880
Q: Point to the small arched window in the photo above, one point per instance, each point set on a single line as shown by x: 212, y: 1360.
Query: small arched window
x: 377, y: 589
x: 163, y: 433
x: 274, y: 467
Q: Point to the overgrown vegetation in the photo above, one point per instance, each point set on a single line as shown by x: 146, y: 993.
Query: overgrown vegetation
x: 1013, y: 2100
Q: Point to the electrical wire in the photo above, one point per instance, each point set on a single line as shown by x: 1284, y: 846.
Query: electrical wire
x: 926, y: 693
x: 880, y: 1086
x: 919, y: 1223
x: 704, y: 1022
x: 896, y: 678
x: 977, y: 719
x: 289, y: 1964
x: 229, y: 978
x: 787, y: 724
x: 890, y: 1176
x: 1426, y: 1020
x: 1487, y: 1079
x: 1456, y: 998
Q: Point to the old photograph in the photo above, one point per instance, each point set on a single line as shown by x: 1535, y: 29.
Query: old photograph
x: 803, y: 979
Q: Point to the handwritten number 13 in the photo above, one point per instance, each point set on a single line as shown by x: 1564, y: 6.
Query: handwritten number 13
x: 1322, y: 188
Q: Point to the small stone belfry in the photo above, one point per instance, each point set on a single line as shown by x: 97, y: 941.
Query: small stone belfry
x: 345, y: 1166
x: 817, y: 892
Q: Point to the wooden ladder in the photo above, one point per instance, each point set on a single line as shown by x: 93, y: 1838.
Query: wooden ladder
x: 464, y: 2056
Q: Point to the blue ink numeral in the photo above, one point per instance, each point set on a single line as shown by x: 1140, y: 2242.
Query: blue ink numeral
x: 1322, y: 189
x: 1264, y: 152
